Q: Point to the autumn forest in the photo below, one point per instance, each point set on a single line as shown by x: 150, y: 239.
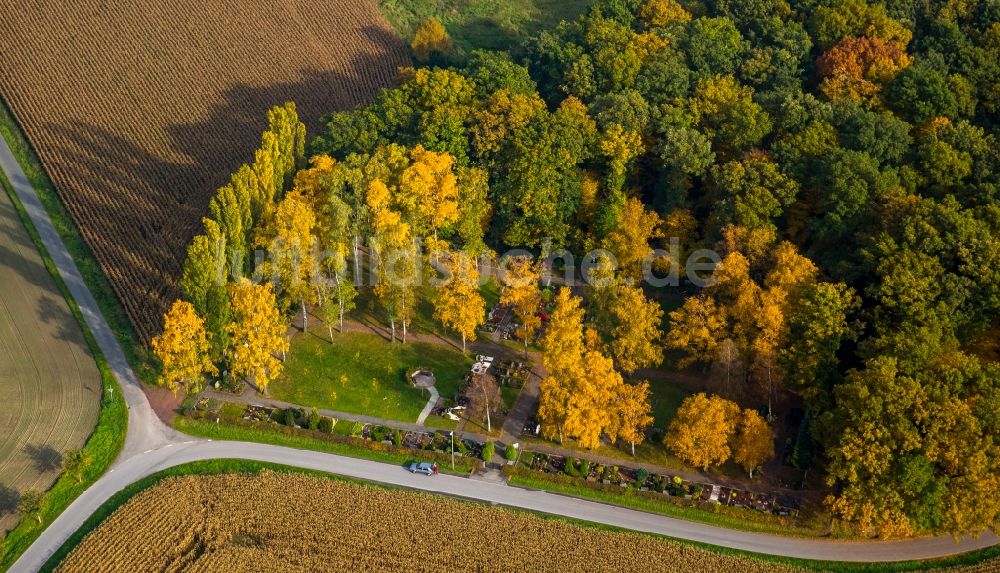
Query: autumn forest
x: 840, y: 157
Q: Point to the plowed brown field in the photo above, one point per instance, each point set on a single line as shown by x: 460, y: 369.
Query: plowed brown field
x: 140, y: 109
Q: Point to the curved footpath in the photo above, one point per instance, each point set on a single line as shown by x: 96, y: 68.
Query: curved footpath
x: 151, y: 446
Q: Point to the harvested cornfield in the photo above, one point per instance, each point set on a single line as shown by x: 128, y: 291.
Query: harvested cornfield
x: 292, y: 522
x: 139, y: 110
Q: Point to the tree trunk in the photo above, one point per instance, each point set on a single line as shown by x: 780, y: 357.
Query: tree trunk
x: 392, y: 325
x: 770, y: 415
x: 341, y: 318
x: 525, y: 346
x: 404, y: 332
x: 435, y: 253
x: 728, y: 385
x: 357, y: 261
x: 489, y: 427
x: 329, y: 328
x: 463, y: 342
x: 633, y: 449
x: 305, y: 317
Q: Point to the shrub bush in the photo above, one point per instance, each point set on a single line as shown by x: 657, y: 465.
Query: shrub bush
x: 461, y: 447
x: 570, y: 467
x: 528, y: 458
x: 488, y: 450
x: 357, y: 429
x: 640, y: 477
x: 510, y: 453
x: 397, y: 438
x: 377, y: 433
x: 325, y: 425
x: 289, y: 417
x: 314, y: 419
x: 584, y: 468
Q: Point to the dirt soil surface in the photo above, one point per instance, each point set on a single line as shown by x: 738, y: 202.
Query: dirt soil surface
x: 49, y: 381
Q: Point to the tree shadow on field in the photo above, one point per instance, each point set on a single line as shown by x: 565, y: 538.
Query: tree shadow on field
x: 231, y: 134
x: 18, y: 255
x: 132, y: 207
x: 52, y: 311
x: 143, y: 207
x: 8, y: 499
x: 45, y: 457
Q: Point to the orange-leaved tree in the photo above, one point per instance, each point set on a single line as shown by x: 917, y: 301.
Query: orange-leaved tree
x: 753, y: 443
x: 701, y: 432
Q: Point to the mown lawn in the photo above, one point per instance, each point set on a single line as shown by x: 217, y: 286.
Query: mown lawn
x: 487, y: 24
x: 370, y: 311
x: 365, y: 374
x: 666, y: 399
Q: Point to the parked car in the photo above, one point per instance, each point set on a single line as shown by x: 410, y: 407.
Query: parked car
x: 423, y: 468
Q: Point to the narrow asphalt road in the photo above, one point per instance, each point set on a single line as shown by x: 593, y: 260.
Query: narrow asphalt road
x: 151, y: 446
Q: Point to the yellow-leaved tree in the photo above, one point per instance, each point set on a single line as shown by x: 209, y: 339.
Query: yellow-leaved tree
x: 292, y: 251
x: 459, y: 304
x: 395, y: 257
x: 521, y: 292
x: 631, y: 413
x: 562, y: 345
x: 183, y: 348
x: 430, y: 38
x: 753, y: 443
x: 428, y: 193
x: 591, y: 382
x: 697, y: 328
x: 257, y: 333
x: 659, y: 13
x: 635, y: 331
x: 701, y: 432
x: 629, y: 240
x: 562, y: 355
